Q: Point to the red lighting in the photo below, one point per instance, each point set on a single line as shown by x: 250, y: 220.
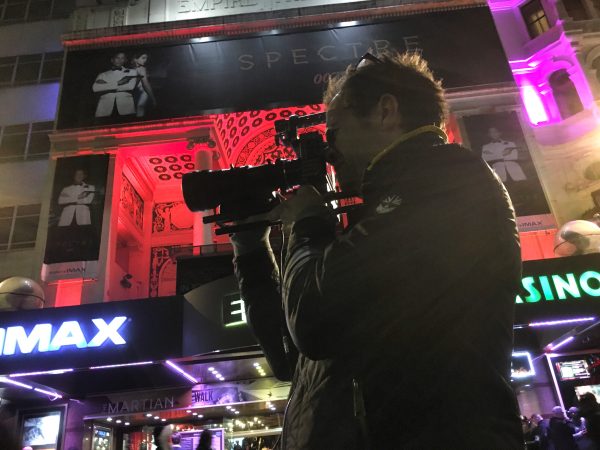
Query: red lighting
x: 68, y: 293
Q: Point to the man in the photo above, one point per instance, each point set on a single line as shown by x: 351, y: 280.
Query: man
x: 75, y: 199
x: 503, y: 156
x: 403, y: 324
x: 116, y: 87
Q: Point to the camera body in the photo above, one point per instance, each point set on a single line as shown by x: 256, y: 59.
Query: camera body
x: 241, y: 192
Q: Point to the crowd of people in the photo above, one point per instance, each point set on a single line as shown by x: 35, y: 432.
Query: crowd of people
x: 576, y: 429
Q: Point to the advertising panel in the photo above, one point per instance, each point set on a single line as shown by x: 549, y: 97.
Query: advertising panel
x: 499, y: 139
x: 75, y: 219
x: 204, y: 75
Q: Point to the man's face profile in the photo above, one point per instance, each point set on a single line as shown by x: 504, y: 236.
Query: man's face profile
x: 494, y: 133
x: 119, y: 59
x: 79, y: 176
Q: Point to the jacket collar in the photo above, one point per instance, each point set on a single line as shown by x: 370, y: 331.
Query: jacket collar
x: 427, y: 129
x: 386, y: 167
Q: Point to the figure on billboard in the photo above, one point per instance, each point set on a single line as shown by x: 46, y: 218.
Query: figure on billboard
x: 75, y: 200
x: 502, y: 156
x: 115, y: 87
x: 143, y: 90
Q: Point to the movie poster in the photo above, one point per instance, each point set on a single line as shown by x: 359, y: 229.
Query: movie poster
x: 164, y: 80
x: 498, y: 138
x: 75, y: 218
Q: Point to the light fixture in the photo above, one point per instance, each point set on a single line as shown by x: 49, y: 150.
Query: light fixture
x: 163, y: 420
x: 561, y: 343
x: 550, y: 323
x: 149, y: 415
x: 118, y: 421
x: 181, y: 371
x: 44, y: 372
x: 125, y: 283
x: 127, y: 424
x: 156, y: 417
x: 188, y: 411
x: 109, y: 419
x: 112, y: 366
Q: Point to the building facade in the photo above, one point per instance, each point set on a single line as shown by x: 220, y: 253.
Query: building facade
x: 108, y: 109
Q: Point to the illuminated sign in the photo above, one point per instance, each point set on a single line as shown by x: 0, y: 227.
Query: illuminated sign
x: 560, y: 287
x: 521, y: 365
x: 196, y: 9
x: 234, y: 310
x: 45, y: 337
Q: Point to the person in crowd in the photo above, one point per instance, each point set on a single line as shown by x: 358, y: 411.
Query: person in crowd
x: 539, y: 432
x: 176, y: 441
x: 205, y: 441
x: 143, y: 90
x: 397, y: 311
x: 561, y: 431
x: 115, y: 90
x: 590, y: 411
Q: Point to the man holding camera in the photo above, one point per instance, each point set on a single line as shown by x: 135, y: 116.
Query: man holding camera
x: 396, y: 333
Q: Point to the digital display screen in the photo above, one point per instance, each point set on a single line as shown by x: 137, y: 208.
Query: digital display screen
x: 573, y: 370
x: 42, y: 429
x: 592, y: 389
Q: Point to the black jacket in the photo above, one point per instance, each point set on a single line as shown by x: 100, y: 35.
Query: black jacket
x: 415, y: 302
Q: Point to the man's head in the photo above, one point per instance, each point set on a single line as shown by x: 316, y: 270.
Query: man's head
x: 494, y: 133
x: 119, y: 59
x: 370, y: 106
x: 557, y: 411
x: 79, y: 176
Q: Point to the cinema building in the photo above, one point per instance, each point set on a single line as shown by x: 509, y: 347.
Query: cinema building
x: 143, y: 325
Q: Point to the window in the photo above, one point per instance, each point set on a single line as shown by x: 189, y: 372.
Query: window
x: 18, y: 226
x: 29, y: 10
x: 565, y: 94
x: 27, y: 69
x: 535, y: 18
x: 25, y: 142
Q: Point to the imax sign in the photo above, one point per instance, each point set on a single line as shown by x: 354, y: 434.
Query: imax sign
x: 45, y: 337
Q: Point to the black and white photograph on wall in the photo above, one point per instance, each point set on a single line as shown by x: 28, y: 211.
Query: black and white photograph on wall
x: 41, y: 431
x: 76, y: 209
x: 498, y: 138
x: 261, y: 71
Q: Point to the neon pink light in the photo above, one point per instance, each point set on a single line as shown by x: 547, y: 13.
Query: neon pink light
x: 181, y: 371
x: 112, y: 366
x: 533, y: 105
x: 561, y: 322
x: 561, y: 343
x: 15, y: 383
x: 44, y: 372
x: 53, y: 394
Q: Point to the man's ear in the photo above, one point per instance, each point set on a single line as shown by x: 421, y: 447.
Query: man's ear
x: 389, y: 113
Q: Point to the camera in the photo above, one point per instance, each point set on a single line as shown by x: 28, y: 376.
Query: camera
x: 240, y: 192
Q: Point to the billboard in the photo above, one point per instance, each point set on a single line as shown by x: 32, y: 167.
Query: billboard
x: 205, y: 75
x: 75, y: 218
x: 498, y: 138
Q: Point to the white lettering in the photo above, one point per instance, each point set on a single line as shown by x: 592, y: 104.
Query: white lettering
x: 41, y: 339
x: 296, y: 55
x: 69, y: 333
x: 16, y: 336
x: 246, y: 59
x: 276, y: 56
x: 108, y: 331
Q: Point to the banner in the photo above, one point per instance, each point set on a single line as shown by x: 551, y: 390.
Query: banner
x: 498, y: 138
x: 202, y: 76
x: 75, y: 219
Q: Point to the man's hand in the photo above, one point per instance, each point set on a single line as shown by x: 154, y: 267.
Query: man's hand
x: 303, y: 203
